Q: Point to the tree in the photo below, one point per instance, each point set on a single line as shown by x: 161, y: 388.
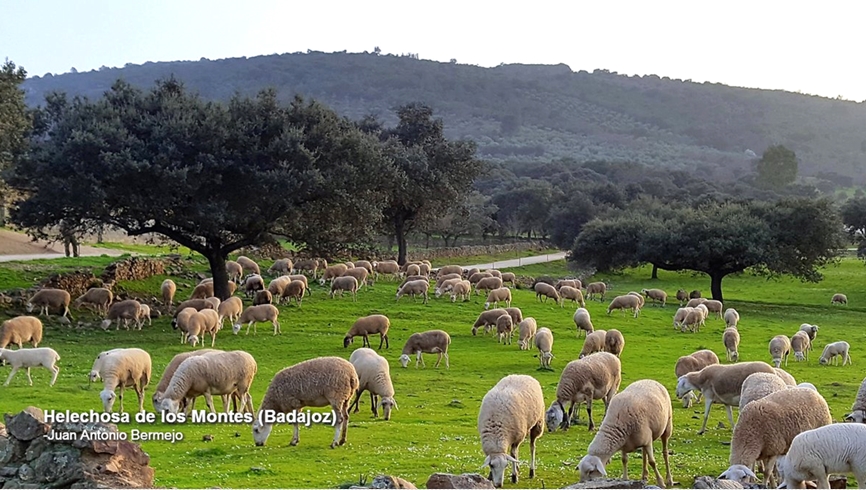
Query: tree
x: 212, y: 177
x: 777, y: 167
x: 854, y: 217
x: 15, y: 122
x: 528, y: 205
x: 471, y: 216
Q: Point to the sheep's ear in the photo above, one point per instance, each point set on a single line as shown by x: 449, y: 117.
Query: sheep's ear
x: 511, y: 458
x: 751, y: 473
x: 486, y: 461
x: 601, y: 469
x: 395, y: 405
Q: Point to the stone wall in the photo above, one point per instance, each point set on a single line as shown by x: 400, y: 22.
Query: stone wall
x: 75, y: 283
x: 135, y: 269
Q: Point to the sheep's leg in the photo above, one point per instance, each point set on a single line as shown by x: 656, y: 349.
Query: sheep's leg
x: 29, y: 379
x: 419, y: 359
x: 373, y: 405
x: 589, y: 413
x: 514, y: 465
x: 707, y: 404
x: 730, y: 415
x: 534, y: 434
x: 382, y: 338
x: 624, y: 465
x: 648, y: 456
x: 209, y: 400
x: 357, y: 398
x: 769, y: 470
x: 11, y: 375
x: 665, y: 453
x: 56, y: 370
x: 277, y: 329
x: 447, y: 365
x: 296, y: 435
x: 366, y: 341
x: 250, y: 325
x: 438, y: 360
x: 338, y: 425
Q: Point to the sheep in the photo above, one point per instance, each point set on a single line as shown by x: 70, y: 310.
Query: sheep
x: 497, y: 295
x: 488, y: 284
x: 635, y: 418
x: 231, y: 309
x: 680, y: 317
x: 385, y: 267
x: 614, y: 342
x: 487, y: 319
x: 494, y: 273
x: 277, y: 286
x: 682, y: 296
x: 359, y: 273
x: 474, y: 278
x: 214, y: 301
x: 526, y: 332
x: 655, y: 295
x: 344, y: 283
x: 296, y: 290
x: 731, y: 339
x: 786, y: 377
x: 467, y: 273
x: 625, y: 302
x: 374, y: 375
x: 249, y: 265
x: 27, y: 358
x: 509, y: 277
x: 307, y: 265
x: 281, y: 266
x: 766, y: 428
x: 252, y: 284
x: 516, y: 314
x: 169, y: 372
x: 332, y: 272
x: 720, y: 383
x: 811, y: 331
x: 594, y: 342
x: 544, y: 344
x: 260, y: 313
x: 263, y: 297
x: 732, y: 317
x: 20, y: 330
x: 694, y: 294
x: 216, y: 373
x: 319, y: 382
x: 413, y: 270
x: 235, y: 270
x: 303, y: 279
x: 695, y: 302
x: 50, y: 298
x: 429, y: 342
x: 594, y: 288
x: 203, y: 322
x: 202, y: 291
x: 759, y: 385
x: 815, y: 454
x: 126, y: 310
x: 462, y: 289
x: 510, y: 412
x: 504, y: 328
x: 832, y: 350
x: 694, y: 318
x: 122, y: 368
x: 369, y: 325
x: 595, y: 377
x: 800, y: 344
x: 144, y: 314
x: 197, y: 304
x: 780, y: 348
x: 858, y: 409
x: 714, y: 306
x: 575, y: 295
x: 582, y: 321
x: 167, y: 289
x: 449, y: 269
x: 442, y: 279
x: 424, y: 268
x: 546, y: 291
x: 365, y: 264
x: 414, y: 288
x: 839, y: 298
x: 448, y: 286
x: 706, y: 356
x: 572, y: 283
x: 99, y: 297
x: 710, y: 482
x: 641, y: 299
x: 692, y: 363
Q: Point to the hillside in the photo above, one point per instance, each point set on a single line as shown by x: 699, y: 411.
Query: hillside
x: 538, y: 112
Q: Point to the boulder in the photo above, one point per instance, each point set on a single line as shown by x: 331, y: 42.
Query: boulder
x: 27, y: 425
x: 612, y: 483
x: 387, y: 481
x: 466, y: 480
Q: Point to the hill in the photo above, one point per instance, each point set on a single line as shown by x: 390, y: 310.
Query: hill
x: 538, y: 112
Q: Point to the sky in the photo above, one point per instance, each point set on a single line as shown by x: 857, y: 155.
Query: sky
x: 813, y: 48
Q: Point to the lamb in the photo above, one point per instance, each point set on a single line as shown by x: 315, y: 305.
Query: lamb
x: 625, y: 302
x: 99, y: 297
x: 526, y: 329
x: 144, y: 314
x: 385, y: 267
x: 122, y: 368
x: 126, y: 310
x: 333, y: 272
x: 732, y: 317
x: 498, y: 295
x: 800, y: 345
x: 344, y: 283
x: 249, y: 265
x: 462, y: 289
x: 544, y: 344
x: 319, y: 382
x: 582, y: 321
x: 572, y: 283
x: 251, y: 285
x: 263, y: 297
x: 714, y: 306
x: 509, y: 277
x: 169, y: 372
x: 594, y: 288
x: 815, y: 454
x: 682, y: 296
x: 50, y: 298
x: 510, y: 412
x: 359, y: 273
x: 594, y: 342
x: 488, y: 284
x: 429, y: 342
x: 504, y: 328
x: 720, y: 383
x: 369, y: 325
x: 575, y: 295
x: 596, y: 377
x: 695, y: 302
x: 20, y: 330
x: 217, y: 373
x: 731, y: 339
x: 767, y: 427
x: 635, y: 418
x: 780, y: 348
x: 839, y: 298
x: 201, y: 323
x: 374, y: 375
x: 235, y: 270
x: 614, y: 342
x: 858, y: 409
x: 759, y: 385
x: 546, y: 291
x: 167, y: 289
x: 281, y: 266
x: 811, y: 331
x: 655, y: 295
x: 296, y: 290
x: 231, y: 309
x: 414, y: 288
x: 260, y: 313
x: 835, y: 350
x: 27, y: 358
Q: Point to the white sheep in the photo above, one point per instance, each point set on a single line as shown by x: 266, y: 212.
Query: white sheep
x: 625, y: 302
x: 544, y: 290
x: 390, y: 267
x: 682, y: 296
x: 255, y: 314
x: 811, y: 331
x: 731, y: 340
x: 128, y: 310
x: 429, y: 342
x: 839, y: 298
x: 307, y: 265
x: 20, y: 330
x: 360, y: 274
x: 251, y: 284
x: 248, y: 265
x: 487, y: 319
x: 197, y: 304
x: 858, y: 409
x: 582, y: 321
x: 574, y: 294
x: 544, y: 344
x: 319, y: 382
x: 594, y: 342
x: 691, y: 363
x: 202, y: 323
x: 835, y: 350
x: 122, y: 368
x: 786, y: 377
x: 462, y: 289
x: 495, y: 296
x: 414, y: 288
x: 695, y: 302
x: 614, y: 342
x: 680, y: 317
x: 216, y: 373
x: 369, y: 325
x: 144, y: 314
x: 447, y: 286
x: 344, y: 283
x: 596, y: 288
x: 815, y: 454
x: 168, y: 290
x: 759, y: 385
x: 27, y: 358
x: 504, y: 328
x: 656, y: 295
x: 234, y: 270
x: 263, y: 297
x: 281, y: 266
x: 296, y: 289
x: 374, y: 375
x: 595, y: 377
x: 800, y: 345
x: 50, y: 298
x: 510, y: 412
x: 333, y: 272
x: 449, y: 269
x: 641, y: 299
x: 169, y: 372
x: 488, y: 284
x: 99, y: 297
x: 526, y: 329
x: 780, y: 348
x: 573, y: 283
x: 231, y: 308
x: 714, y: 306
x: 509, y: 277
x: 635, y: 418
x: 732, y: 317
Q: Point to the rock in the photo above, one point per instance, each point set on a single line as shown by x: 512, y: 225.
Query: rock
x: 26, y: 473
x: 387, y: 481
x: 612, y: 483
x: 8, y: 471
x: 27, y: 425
x: 36, y: 447
x: 466, y: 480
x: 11, y: 450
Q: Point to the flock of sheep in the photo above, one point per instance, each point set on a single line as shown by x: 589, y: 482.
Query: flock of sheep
x: 783, y: 428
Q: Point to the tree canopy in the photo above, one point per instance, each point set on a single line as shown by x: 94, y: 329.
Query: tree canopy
x: 15, y: 122
x: 777, y: 167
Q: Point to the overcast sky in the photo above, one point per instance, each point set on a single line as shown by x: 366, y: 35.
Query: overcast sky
x: 815, y: 48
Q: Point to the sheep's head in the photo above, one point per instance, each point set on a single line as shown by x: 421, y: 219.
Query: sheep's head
x: 591, y: 467
x: 348, y: 340
x: 739, y: 473
x: 157, y: 400
x: 236, y: 328
x: 261, y: 431
x: 735, y: 356
x: 387, y: 403
x: 498, y: 463
x: 684, y: 386
x: 29, y: 307
x: 554, y: 416
x: 168, y: 405
x: 857, y: 416
x: 107, y: 397
x: 94, y: 376
x: 689, y: 399
x: 799, y: 356
x: 192, y: 340
x: 823, y: 360
x: 487, y: 305
x: 404, y: 360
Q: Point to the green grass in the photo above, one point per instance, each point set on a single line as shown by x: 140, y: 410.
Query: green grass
x: 24, y: 274
x: 434, y: 429
x: 143, y: 248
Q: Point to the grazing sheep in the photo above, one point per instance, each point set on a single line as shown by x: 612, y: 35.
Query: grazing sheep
x: 20, y: 330
x: 202, y: 291
x: 449, y: 269
x: 231, y: 309
x: 780, y: 348
x: 374, y: 375
x: 307, y: 265
x: 839, y: 298
x: 575, y: 295
x: 366, y: 264
x: 333, y: 272
x: 515, y: 313
x: 510, y: 412
x: 386, y: 267
x: 255, y: 314
x: 277, y: 286
x: 462, y: 289
x: 201, y: 323
x: 168, y: 288
x: 303, y: 279
x: 695, y: 302
x: 544, y: 290
x: 319, y: 382
x: 594, y: 342
x: 281, y: 266
x: 369, y: 325
x: 682, y: 296
x: 706, y: 356
x: 526, y: 329
x: 494, y: 273
x: 27, y: 358
x: 144, y: 315
x: 467, y: 273
x: 495, y: 296
x: 635, y: 418
x: 487, y: 319
x: 122, y: 368
x: 732, y: 317
x: 582, y: 321
x: 595, y: 377
x: 504, y: 329
x: 448, y: 286
x: 295, y: 290
x: 413, y: 278
x: 169, y: 372
x: 639, y: 297
x: 413, y: 270
x: 99, y: 297
x: 442, y: 279
x: 767, y: 426
x: 720, y: 383
x: 714, y: 306
x: 197, y: 304
x: 414, y: 288
x: 815, y: 454
x: 249, y: 265
x: 263, y: 297
x: 858, y: 409
x: 594, y: 288
x: 215, y: 302
x: 429, y: 342
x: 126, y: 310
x: 692, y: 363
x: 235, y: 270
x: 344, y: 283
x: 800, y: 345
x: 731, y: 339
x: 488, y: 284
x: 759, y: 385
x: 614, y: 342
x: 359, y: 273
x: 655, y: 295
x: 835, y: 350
x: 625, y: 302
x: 474, y: 278
x: 544, y: 344
x: 694, y: 319
x: 680, y: 317
x: 216, y: 373
x: 811, y: 331
x: 182, y: 322
x: 252, y: 284
x: 572, y: 283
x: 50, y: 298
x: 509, y: 277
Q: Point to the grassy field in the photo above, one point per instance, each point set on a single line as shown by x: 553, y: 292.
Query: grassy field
x: 434, y: 429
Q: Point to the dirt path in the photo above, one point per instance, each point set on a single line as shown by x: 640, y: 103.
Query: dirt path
x: 18, y: 246
x: 502, y: 264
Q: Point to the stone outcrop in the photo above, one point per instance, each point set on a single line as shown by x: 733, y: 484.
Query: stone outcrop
x: 466, y: 480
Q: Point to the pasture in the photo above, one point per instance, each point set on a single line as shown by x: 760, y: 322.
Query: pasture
x: 434, y: 429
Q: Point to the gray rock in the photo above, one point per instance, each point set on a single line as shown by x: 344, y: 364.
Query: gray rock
x: 26, y: 425
x: 612, y: 483
x: 11, y: 449
x: 26, y: 473
x: 466, y: 480
x: 387, y: 481
x: 36, y: 447
x: 8, y: 471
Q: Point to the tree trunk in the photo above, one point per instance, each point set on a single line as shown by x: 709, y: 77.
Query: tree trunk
x: 427, y: 242
x: 219, y: 273
x: 716, y: 286
x: 454, y: 240
x: 655, y: 272
x: 400, y: 234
